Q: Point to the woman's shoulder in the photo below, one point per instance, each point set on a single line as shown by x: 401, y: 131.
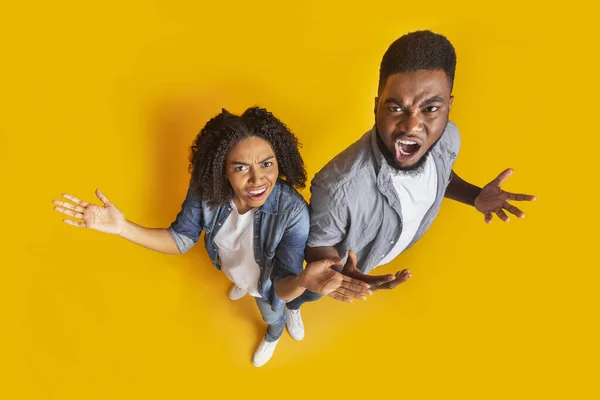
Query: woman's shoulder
x: 289, y: 197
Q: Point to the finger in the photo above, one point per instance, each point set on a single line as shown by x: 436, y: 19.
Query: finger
x: 355, y: 287
x: 502, y: 215
x: 69, y: 206
x: 348, y: 279
x: 74, y: 223
x: 401, y: 277
x: 513, y: 210
x: 337, y: 267
x: 502, y: 177
x: 350, y: 293
x: 339, y: 297
x: 488, y: 218
x: 102, y: 197
x: 76, y: 200
x: 331, y: 261
x: 376, y: 280
x: 350, y: 265
x: 521, y: 197
x: 69, y: 212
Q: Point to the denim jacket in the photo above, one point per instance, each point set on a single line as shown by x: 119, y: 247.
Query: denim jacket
x: 281, y: 228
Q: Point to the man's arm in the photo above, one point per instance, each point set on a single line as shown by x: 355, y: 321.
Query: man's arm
x: 290, y: 280
x: 490, y: 199
x: 313, y: 254
x: 328, y: 228
x: 460, y: 190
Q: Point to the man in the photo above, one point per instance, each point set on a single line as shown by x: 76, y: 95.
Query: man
x: 380, y: 195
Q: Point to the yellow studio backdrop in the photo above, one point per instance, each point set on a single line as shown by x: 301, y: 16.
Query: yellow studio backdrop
x: 111, y: 94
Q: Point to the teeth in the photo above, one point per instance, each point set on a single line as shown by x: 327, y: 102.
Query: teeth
x: 258, y: 191
x: 406, y: 142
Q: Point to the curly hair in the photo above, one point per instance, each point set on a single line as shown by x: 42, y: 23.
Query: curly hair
x: 418, y: 50
x: 211, y: 146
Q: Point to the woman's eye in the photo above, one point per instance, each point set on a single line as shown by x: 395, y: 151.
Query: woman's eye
x: 267, y: 164
x: 240, y: 168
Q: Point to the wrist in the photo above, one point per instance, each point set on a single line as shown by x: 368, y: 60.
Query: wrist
x: 301, y: 279
x: 473, y: 199
x: 124, y: 229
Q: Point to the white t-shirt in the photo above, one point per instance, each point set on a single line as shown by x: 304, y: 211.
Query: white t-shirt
x: 416, y: 194
x: 235, y: 242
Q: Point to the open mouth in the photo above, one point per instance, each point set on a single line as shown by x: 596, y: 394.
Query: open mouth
x: 406, y: 149
x: 258, y: 193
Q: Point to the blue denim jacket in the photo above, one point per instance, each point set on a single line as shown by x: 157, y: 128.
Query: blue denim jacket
x: 281, y: 228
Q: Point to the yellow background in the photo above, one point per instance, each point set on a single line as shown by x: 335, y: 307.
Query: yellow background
x: 111, y: 94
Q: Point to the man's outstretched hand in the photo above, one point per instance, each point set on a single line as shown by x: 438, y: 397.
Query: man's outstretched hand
x: 321, y: 278
x: 376, y: 282
x: 493, y: 200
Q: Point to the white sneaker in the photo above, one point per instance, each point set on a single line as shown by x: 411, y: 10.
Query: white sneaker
x: 294, y: 324
x: 263, y: 352
x: 236, y: 293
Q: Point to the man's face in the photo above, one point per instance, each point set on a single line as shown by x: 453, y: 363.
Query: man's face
x: 411, y: 114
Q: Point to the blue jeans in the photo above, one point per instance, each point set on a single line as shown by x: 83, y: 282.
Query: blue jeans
x: 303, y: 298
x: 275, y: 319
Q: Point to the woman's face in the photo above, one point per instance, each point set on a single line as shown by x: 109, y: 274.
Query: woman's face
x: 251, y: 169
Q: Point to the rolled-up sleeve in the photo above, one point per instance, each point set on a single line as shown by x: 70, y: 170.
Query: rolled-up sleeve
x: 187, y: 227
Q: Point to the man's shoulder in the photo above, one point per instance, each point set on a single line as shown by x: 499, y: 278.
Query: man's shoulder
x: 451, y: 137
x: 353, y: 164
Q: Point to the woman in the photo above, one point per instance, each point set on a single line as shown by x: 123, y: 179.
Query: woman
x: 243, y: 173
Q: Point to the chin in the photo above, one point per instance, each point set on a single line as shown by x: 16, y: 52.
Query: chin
x: 414, y: 167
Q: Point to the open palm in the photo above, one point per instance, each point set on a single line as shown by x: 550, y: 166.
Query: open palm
x: 106, y: 218
x: 321, y: 278
x: 493, y: 200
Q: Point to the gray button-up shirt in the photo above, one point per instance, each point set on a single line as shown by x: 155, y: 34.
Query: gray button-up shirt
x: 354, y: 205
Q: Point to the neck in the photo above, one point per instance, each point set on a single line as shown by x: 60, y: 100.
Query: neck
x: 241, y: 206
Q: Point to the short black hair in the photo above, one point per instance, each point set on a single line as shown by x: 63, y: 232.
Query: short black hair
x: 211, y: 146
x: 415, y: 51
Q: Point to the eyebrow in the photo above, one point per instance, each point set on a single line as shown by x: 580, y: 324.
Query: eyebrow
x: 243, y: 163
x: 435, y: 99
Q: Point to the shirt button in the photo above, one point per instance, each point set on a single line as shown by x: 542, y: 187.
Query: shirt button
x: 219, y: 224
x: 392, y: 242
x: 255, y: 236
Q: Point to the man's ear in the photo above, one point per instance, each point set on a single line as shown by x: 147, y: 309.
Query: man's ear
x: 375, y: 105
x: 450, y: 103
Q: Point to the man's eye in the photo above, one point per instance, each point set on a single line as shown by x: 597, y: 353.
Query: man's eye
x: 431, y: 109
x: 394, y: 109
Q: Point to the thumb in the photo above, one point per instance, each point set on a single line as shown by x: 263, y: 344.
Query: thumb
x: 103, y: 198
x: 350, y: 262
x: 328, y: 262
x: 504, y: 175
